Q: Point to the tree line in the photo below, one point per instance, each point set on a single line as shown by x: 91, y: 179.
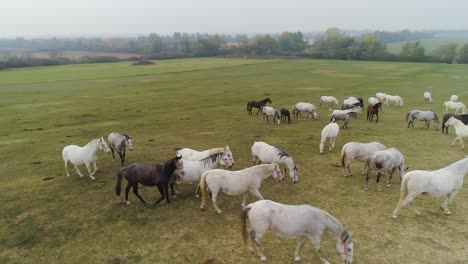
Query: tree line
x: 332, y: 44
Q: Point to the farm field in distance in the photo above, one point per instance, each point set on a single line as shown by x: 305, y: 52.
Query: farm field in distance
x: 47, y: 217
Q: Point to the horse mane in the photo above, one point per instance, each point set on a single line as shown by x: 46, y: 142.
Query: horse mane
x: 92, y: 142
x: 266, y: 99
x: 213, y: 157
x: 281, y: 153
x: 216, y: 151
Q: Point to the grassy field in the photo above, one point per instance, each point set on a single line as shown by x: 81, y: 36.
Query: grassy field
x: 200, y: 103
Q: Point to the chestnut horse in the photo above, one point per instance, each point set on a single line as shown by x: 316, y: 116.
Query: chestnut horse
x: 258, y: 105
x: 373, y: 110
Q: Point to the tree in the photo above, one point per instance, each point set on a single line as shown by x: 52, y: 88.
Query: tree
x: 413, y: 50
x: 265, y: 45
x: 446, y: 53
x: 291, y: 42
x: 462, y: 56
x: 157, y: 44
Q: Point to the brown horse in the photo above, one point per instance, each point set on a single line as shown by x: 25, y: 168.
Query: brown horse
x: 373, y: 110
x: 258, y: 105
x: 463, y: 118
x: 159, y: 175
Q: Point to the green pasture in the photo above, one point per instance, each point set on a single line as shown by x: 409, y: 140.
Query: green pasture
x: 47, y: 217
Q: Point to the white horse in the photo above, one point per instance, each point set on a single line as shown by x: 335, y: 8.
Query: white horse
x: 373, y: 100
x: 330, y: 131
x: 294, y: 221
x: 358, y: 151
x: 357, y: 110
x: 454, y: 98
x: 458, y: 106
x: 270, y: 154
x: 270, y: 111
x: 191, y: 154
x: 461, y: 130
x: 382, y: 161
x: 439, y: 183
x: 84, y: 155
x: 426, y: 116
x: 393, y: 99
x: 309, y: 108
x: 237, y: 182
x: 330, y: 100
x: 427, y: 97
x: 195, y: 169
x: 381, y: 96
x: 120, y: 143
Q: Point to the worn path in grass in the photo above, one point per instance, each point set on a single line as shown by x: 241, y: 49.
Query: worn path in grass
x: 201, y: 103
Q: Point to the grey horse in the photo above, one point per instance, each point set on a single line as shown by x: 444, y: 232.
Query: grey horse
x: 420, y: 115
x: 119, y: 143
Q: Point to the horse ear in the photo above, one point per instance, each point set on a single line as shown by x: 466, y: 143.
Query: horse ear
x: 178, y: 157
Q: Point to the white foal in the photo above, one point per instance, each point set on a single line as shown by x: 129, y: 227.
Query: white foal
x: 84, y: 155
x: 373, y: 100
x: 294, y: 221
x: 330, y: 131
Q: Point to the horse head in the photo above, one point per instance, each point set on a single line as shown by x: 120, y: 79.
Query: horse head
x: 294, y: 175
x: 102, y: 145
x: 179, y: 164
x: 227, y: 159
x: 344, y: 245
x: 268, y: 100
x: 315, y: 114
x: 128, y: 142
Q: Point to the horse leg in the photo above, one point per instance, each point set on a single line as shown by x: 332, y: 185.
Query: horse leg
x: 214, y: 197
x: 301, y: 241
x: 161, y: 191
x: 78, y: 170
x: 315, y: 239
x: 66, y: 168
x: 95, y: 168
x: 258, y: 110
x: 127, y: 189
x: 135, y: 191
x: 389, y: 179
x: 366, y: 186
x: 112, y: 149
x: 256, y: 237
x: 377, y: 120
x: 88, y: 166
x: 413, y: 208
x: 166, y: 191
x: 407, y: 200
x: 333, y: 142
x: 256, y: 193
x: 379, y: 175
x: 449, y: 199
x: 461, y: 142
x: 244, y: 199
x: 122, y: 158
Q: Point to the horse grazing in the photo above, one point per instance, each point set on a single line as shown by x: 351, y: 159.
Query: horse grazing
x: 191, y: 154
x: 358, y: 151
x: 458, y: 106
x: 426, y: 116
x: 395, y: 99
x: 309, y: 108
x: 120, y: 143
x: 270, y: 111
x: 374, y: 110
x: 330, y: 100
x: 330, y: 131
x: 294, y: 221
x: 237, y: 182
x: 344, y: 115
x: 195, y: 169
x: 463, y: 118
x: 285, y: 115
x: 382, y: 161
x: 159, y: 175
x: 428, y: 97
x: 266, y: 153
x: 352, y: 102
x: 438, y: 183
x: 453, y: 98
x: 84, y: 155
x: 258, y: 105
x: 461, y: 130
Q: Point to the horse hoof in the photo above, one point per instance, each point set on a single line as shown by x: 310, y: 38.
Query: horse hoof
x: 128, y: 202
x: 202, y: 208
x: 263, y: 258
x: 366, y: 189
x: 447, y: 212
x: 388, y: 185
x: 395, y: 216
x: 68, y: 175
x: 92, y: 178
x: 219, y: 212
x: 418, y: 213
x: 174, y: 196
x: 297, y: 259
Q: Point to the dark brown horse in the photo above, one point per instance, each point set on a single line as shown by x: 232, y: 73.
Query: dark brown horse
x: 285, y: 115
x: 463, y: 118
x: 373, y: 110
x: 258, y: 105
x: 159, y: 175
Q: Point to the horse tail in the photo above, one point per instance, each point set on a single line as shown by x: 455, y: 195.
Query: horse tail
x: 403, y: 189
x: 203, y: 189
x: 248, y: 104
x: 244, y: 216
x: 332, y: 117
x: 343, y: 156
x: 401, y: 102
x: 407, y: 115
x: 119, y: 181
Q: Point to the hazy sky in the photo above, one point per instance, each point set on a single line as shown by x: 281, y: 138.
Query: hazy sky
x: 133, y: 17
